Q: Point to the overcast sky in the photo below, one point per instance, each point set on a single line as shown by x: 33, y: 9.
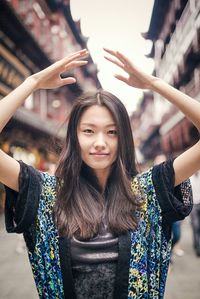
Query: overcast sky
x: 116, y: 24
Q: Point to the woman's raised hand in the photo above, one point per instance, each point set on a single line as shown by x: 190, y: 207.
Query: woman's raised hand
x: 50, y: 78
x: 136, y: 77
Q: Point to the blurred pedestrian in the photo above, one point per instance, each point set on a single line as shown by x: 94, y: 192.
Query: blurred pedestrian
x: 97, y: 228
x: 176, y: 237
x: 195, y: 214
x: 2, y: 198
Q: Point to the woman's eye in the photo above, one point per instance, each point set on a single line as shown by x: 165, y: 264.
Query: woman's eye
x: 112, y: 132
x: 88, y: 131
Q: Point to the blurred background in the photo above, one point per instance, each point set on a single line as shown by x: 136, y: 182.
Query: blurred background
x: 166, y: 37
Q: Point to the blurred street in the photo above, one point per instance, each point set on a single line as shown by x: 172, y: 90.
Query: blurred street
x: 184, y: 279
x: 16, y: 280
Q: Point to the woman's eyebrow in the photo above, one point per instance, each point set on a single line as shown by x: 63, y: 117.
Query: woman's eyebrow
x: 93, y: 125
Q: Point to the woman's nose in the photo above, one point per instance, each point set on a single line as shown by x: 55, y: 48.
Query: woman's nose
x: 100, y: 141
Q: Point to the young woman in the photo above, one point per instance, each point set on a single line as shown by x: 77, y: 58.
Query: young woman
x: 98, y: 229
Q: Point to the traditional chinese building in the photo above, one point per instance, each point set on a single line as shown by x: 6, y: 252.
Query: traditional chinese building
x: 175, y: 32
x: 33, y: 34
x: 145, y: 128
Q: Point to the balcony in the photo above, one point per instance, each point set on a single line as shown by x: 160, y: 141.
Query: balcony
x: 180, y: 41
x: 193, y: 87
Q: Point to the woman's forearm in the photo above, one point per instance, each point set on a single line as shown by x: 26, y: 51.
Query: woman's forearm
x: 189, y: 106
x: 14, y: 100
x: 138, y: 79
x: 48, y: 78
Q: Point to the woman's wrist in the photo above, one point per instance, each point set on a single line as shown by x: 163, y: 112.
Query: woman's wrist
x: 32, y: 82
x: 155, y: 83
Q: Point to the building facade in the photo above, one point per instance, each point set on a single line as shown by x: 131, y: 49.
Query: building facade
x: 175, y: 32
x: 33, y: 34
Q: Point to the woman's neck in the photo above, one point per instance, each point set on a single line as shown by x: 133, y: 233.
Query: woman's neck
x: 102, y: 176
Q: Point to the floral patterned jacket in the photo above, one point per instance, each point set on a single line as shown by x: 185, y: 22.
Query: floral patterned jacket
x: 143, y: 254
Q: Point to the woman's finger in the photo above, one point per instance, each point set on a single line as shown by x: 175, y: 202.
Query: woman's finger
x: 121, y: 78
x: 110, y: 51
x: 74, y: 64
x: 117, y: 54
x: 74, y: 56
x: 77, y: 54
x: 127, y: 64
x: 69, y: 64
x: 123, y: 58
x: 118, y: 63
x: 69, y: 80
x: 61, y: 66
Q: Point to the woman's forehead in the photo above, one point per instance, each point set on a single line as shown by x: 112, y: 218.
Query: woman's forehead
x: 97, y: 114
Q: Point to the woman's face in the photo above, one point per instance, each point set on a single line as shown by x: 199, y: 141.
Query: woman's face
x: 98, y: 140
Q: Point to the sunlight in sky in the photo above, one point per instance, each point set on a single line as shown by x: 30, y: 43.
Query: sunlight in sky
x: 118, y: 25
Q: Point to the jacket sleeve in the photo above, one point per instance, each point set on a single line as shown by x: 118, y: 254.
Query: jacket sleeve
x: 21, y: 207
x: 175, y: 202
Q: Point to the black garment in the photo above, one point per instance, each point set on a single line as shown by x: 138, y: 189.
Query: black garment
x: 21, y: 208
x: 99, y: 249
x: 116, y: 285
x: 100, y: 276
x: 175, y: 205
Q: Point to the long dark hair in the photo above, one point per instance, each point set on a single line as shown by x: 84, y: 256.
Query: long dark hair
x: 80, y: 206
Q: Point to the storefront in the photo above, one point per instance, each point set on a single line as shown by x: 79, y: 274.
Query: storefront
x: 177, y: 134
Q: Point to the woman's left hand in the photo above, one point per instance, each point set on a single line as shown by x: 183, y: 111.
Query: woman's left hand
x: 136, y: 77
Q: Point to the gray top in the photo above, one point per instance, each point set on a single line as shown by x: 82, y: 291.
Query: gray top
x: 99, y: 249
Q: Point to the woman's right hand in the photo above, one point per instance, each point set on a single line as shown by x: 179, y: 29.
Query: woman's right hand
x: 50, y: 78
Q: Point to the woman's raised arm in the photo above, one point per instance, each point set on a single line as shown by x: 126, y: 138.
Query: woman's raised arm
x: 48, y: 78
x: 189, y: 162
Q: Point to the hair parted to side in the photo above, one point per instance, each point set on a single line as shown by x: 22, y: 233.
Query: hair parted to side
x: 80, y: 205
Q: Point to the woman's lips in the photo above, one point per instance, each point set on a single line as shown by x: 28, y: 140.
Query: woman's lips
x: 99, y: 154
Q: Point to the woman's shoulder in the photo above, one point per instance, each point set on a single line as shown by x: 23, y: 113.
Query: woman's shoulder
x: 48, y: 182
x: 142, y: 179
x: 155, y: 173
x: 142, y: 185
x: 47, y: 178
